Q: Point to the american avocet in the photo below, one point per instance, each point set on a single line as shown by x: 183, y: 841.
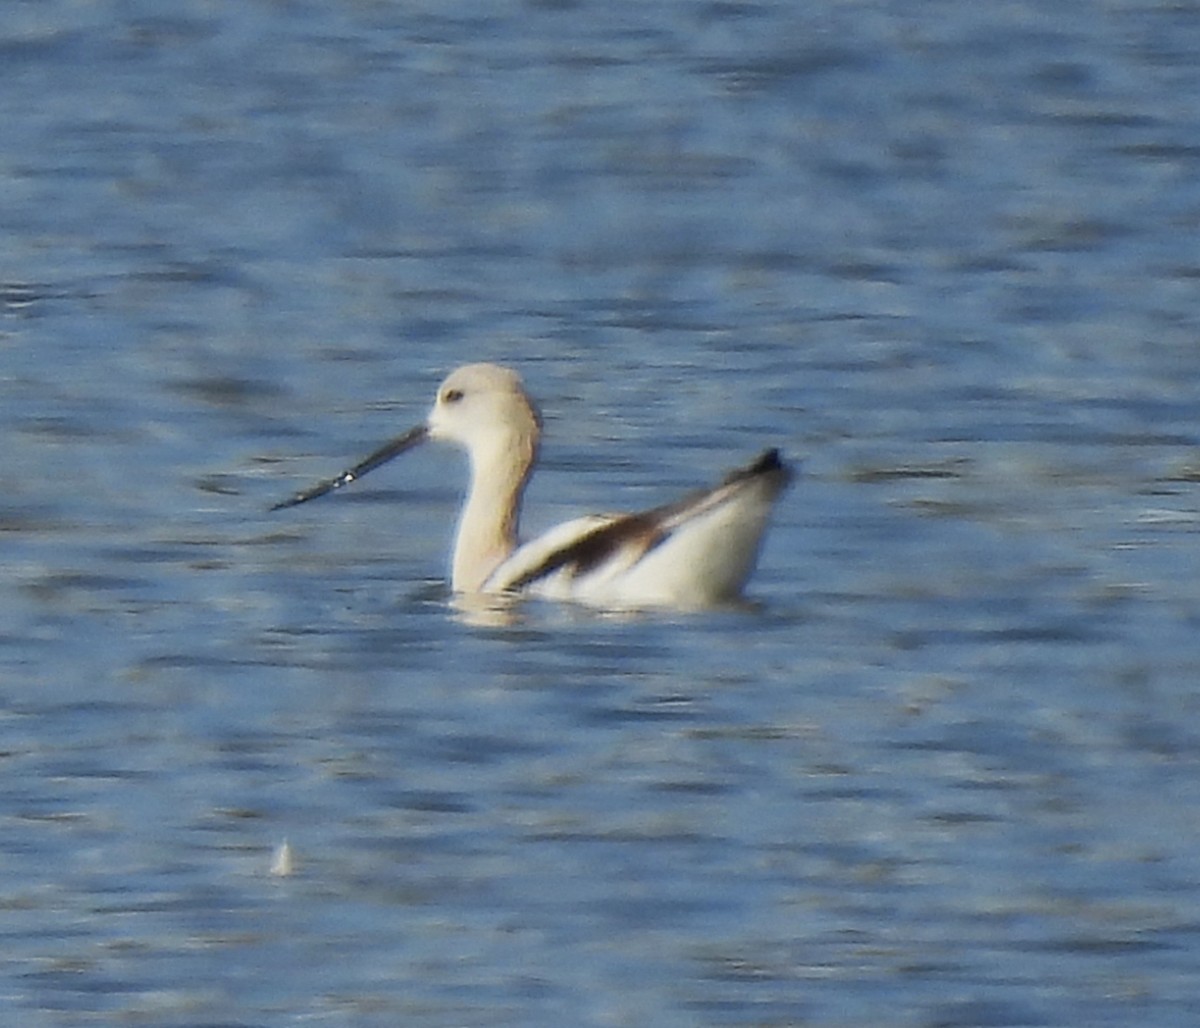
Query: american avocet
x: 695, y: 552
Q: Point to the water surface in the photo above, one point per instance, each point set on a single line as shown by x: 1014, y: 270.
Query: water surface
x: 941, y: 773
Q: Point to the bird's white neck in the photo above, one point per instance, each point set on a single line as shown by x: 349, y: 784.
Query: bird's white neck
x: 488, y: 524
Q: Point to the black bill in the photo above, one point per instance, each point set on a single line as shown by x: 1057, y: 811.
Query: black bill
x: 381, y: 456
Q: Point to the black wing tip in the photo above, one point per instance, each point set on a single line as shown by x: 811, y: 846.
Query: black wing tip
x: 769, y: 462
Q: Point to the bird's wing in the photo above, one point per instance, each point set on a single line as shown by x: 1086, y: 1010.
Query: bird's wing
x: 618, y: 541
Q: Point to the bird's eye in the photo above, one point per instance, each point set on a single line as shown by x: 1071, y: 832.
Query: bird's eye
x: 452, y: 396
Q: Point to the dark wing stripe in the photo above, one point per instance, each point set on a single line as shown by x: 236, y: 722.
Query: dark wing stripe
x: 593, y: 549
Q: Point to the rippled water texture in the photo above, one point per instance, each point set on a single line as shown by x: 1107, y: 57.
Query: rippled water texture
x: 942, y: 773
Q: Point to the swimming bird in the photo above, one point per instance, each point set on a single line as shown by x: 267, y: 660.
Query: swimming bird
x: 695, y: 552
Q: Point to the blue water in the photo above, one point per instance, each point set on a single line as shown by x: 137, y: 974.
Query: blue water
x: 942, y: 773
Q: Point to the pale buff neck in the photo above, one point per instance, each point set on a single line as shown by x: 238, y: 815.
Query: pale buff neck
x: 488, y: 525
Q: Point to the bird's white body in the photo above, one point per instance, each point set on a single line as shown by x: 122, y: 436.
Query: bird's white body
x: 700, y: 556
x: 696, y: 552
